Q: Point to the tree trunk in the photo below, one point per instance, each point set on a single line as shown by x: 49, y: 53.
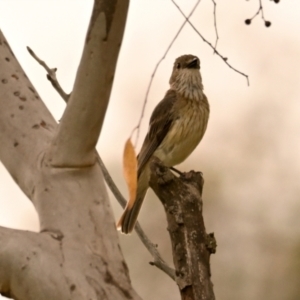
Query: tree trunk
x: 76, y: 254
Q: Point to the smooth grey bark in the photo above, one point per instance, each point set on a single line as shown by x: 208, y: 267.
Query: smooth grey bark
x: 76, y: 254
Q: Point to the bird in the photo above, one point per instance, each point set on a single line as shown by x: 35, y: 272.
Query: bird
x: 176, y: 127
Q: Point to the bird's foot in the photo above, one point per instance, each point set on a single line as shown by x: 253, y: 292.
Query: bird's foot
x: 185, y: 175
x: 177, y: 171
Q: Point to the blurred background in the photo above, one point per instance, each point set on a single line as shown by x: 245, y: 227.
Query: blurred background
x: 249, y: 155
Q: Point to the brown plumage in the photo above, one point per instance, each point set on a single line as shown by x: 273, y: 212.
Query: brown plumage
x: 176, y: 127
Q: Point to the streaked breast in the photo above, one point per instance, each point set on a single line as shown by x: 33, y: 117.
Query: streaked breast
x: 185, y: 133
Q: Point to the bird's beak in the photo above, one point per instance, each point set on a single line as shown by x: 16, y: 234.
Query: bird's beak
x: 193, y: 64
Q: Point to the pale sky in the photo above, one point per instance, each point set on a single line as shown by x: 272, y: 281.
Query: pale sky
x: 55, y: 30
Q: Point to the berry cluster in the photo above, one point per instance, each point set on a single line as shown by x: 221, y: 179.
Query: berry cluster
x: 260, y: 10
x: 267, y: 23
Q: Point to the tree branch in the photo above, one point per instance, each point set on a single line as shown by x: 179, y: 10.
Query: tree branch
x: 24, y: 120
x: 81, y: 123
x: 25, y: 259
x: 191, y: 246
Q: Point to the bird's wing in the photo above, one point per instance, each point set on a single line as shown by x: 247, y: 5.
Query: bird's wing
x: 160, y: 123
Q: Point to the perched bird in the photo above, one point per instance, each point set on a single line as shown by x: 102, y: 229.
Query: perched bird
x: 176, y: 127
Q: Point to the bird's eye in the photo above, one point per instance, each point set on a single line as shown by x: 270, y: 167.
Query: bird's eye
x: 178, y: 66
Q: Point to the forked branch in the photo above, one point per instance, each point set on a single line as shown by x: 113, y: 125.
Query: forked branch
x: 151, y: 247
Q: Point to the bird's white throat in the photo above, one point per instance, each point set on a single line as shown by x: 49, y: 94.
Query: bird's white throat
x: 188, y: 84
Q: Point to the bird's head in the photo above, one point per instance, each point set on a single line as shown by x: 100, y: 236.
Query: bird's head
x: 186, y: 78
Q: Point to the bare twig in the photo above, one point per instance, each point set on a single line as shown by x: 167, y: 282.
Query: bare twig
x: 225, y: 59
x: 51, y: 76
x: 111, y: 184
x: 215, y: 24
x: 154, y: 72
x: 157, y: 259
x: 260, y: 8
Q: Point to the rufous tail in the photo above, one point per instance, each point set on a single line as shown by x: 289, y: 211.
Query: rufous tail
x: 129, y: 217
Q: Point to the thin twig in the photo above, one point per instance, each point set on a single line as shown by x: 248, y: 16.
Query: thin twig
x: 137, y: 127
x: 225, y: 59
x: 111, y: 184
x: 157, y: 259
x: 215, y: 24
x: 51, y: 75
x: 261, y: 11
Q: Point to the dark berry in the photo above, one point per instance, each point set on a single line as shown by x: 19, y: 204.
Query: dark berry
x: 248, y: 21
x: 276, y: 1
x: 268, y: 23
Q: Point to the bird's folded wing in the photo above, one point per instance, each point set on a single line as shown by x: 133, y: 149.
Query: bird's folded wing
x: 160, y: 124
